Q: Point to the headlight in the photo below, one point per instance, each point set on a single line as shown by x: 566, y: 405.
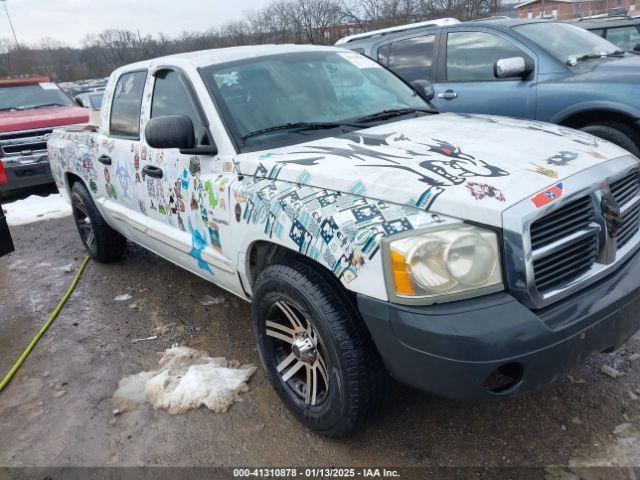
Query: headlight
x: 443, y: 264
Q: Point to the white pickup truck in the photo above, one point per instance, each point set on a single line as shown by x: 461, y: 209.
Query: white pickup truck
x: 470, y: 256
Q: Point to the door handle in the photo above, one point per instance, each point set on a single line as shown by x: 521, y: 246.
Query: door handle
x: 152, y: 171
x: 105, y: 159
x: 448, y: 94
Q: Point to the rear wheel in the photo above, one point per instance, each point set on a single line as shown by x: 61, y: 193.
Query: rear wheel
x: 316, y: 350
x: 622, y: 135
x: 102, y: 242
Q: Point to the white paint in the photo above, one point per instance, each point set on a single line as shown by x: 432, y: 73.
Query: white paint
x: 36, y: 208
x: 187, y: 379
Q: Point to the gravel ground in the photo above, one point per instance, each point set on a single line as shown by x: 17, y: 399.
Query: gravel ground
x: 57, y: 410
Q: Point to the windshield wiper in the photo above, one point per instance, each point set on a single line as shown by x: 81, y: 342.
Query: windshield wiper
x: 9, y: 109
x: 45, y: 105
x: 297, y: 126
x: 395, y: 112
x: 589, y: 56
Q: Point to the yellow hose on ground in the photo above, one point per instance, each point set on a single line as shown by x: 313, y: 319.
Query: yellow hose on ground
x: 44, y: 328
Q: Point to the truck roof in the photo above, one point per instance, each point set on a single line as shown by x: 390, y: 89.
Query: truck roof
x: 204, y: 58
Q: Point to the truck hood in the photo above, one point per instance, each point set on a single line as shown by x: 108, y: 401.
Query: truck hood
x: 609, y: 70
x: 471, y: 167
x: 42, y: 118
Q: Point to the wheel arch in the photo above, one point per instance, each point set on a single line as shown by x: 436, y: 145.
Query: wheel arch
x: 580, y: 115
x: 262, y: 253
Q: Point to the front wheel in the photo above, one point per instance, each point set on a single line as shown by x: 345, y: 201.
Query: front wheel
x: 315, y: 349
x: 102, y: 242
x: 622, y: 135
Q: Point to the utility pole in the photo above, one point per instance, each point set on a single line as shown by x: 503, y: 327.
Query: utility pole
x: 10, y: 23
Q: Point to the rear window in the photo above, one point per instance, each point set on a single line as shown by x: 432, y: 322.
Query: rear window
x: 412, y: 58
x: 125, y: 109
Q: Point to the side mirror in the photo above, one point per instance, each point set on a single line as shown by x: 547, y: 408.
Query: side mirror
x: 424, y: 88
x: 512, y: 68
x: 78, y: 102
x: 637, y: 48
x: 170, y: 131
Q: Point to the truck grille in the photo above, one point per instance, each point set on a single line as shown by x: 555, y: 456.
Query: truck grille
x: 625, y: 191
x: 564, y: 244
x: 24, y: 143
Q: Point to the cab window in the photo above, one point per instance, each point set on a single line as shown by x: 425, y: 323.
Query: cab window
x: 412, y: 59
x: 125, y: 108
x: 171, y: 96
x: 624, y: 37
x: 472, y: 55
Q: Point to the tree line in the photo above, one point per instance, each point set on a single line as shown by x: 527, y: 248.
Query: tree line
x: 281, y: 21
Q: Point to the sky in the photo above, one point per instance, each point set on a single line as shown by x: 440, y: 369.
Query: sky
x: 70, y: 20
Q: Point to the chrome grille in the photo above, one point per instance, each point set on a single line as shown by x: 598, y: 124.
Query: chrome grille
x: 564, y: 244
x: 571, y: 218
x: 24, y: 143
x: 626, y: 188
x: 555, y: 250
x: 566, y: 263
x: 626, y: 191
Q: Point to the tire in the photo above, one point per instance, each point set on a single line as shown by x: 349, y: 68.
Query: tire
x: 622, y: 135
x: 330, y: 336
x: 101, y: 241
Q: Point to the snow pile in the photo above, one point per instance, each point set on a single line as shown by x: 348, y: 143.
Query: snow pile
x: 35, y: 208
x: 187, y: 379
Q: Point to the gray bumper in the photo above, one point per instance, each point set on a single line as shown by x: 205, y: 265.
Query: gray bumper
x: 25, y: 174
x: 452, y: 349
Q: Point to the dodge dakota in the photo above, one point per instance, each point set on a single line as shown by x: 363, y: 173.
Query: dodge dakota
x: 29, y: 110
x: 471, y: 256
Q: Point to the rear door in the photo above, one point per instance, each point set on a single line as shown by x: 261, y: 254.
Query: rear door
x: 411, y: 58
x: 466, y: 79
x: 118, y: 157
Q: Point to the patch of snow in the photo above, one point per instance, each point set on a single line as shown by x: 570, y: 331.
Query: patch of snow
x: 123, y: 298
x: 209, y: 300
x: 187, y: 379
x: 36, y: 208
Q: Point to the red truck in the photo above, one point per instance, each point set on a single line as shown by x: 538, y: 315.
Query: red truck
x: 30, y: 108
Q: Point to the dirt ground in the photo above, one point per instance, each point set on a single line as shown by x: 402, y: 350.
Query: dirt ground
x: 57, y: 410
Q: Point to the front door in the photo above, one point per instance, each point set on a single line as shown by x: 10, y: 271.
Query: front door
x: 185, y: 196
x: 468, y: 81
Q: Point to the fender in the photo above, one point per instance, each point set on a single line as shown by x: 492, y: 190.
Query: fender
x: 582, y: 107
x: 341, y: 231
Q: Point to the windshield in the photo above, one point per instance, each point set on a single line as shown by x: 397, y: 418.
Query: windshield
x: 567, y: 43
x: 24, y: 97
x: 309, y: 87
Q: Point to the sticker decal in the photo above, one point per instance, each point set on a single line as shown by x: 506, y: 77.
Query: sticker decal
x: 548, y: 196
x: 483, y: 190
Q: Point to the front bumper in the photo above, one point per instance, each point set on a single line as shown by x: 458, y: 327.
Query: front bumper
x: 27, y: 172
x: 452, y: 349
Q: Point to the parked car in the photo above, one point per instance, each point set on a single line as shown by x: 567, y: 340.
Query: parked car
x: 92, y: 100
x: 624, y: 32
x: 537, y: 69
x: 6, y: 243
x: 471, y: 256
x: 29, y: 110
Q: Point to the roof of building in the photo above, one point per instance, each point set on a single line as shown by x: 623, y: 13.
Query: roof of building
x: 523, y: 4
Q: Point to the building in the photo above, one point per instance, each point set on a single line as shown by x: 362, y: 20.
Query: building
x: 568, y: 9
